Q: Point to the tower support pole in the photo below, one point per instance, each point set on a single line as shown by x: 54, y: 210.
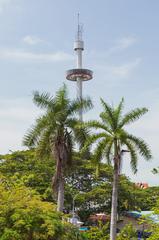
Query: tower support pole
x: 79, y: 81
x: 79, y: 96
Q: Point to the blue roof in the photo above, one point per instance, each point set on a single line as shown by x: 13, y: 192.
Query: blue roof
x: 149, y: 214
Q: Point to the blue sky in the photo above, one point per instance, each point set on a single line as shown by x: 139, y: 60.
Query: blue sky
x: 121, y: 47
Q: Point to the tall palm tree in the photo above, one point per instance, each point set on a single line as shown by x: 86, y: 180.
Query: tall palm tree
x: 112, y: 140
x: 55, y: 133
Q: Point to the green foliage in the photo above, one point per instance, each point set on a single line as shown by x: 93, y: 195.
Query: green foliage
x: 127, y: 233
x: 23, y: 215
x: 25, y: 188
x: 98, y: 232
x: 111, y: 141
x: 57, y: 124
x: 112, y: 138
x: 37, y: 172
x: 33, y: 171
x: 92, y: 194
x: 155, y: 227
x: 155, y: 233
x: 54, y: 133
x: 72, y: 233
x: 133, y: 198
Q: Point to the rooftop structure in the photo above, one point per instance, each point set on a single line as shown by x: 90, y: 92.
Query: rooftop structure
x: 142, y: 185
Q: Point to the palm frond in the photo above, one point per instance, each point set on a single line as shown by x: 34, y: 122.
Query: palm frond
x: 81, y: 135
x: 107, y: 121
x: 72, y: 122
x: 109, y: 113
x: 141, y: 145
x: 132, y: 116
x: 43, y: 100
x: 118, y: 112
x: 92, y: 139
x: 84, y: 104
x: 108, y: 152
x: 44, y: 144
x: 97, y: 156
x: 134, y: 158
x: 61, y: 98
x: 31, y: 138
x: 94, y: 124
x: 100, y: 150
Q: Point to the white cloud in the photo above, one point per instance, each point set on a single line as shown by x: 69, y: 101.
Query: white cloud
x: 32, y: 40
x: 125, y: 70
x: 126, y: 42
x: 122, y: 44
x: 120, y: 71
x: 16, y: 54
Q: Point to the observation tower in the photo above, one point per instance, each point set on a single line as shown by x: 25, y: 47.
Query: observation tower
x: 79, y: 74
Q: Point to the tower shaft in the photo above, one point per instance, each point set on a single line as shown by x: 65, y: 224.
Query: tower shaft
x: 79, y: 96
x: 79, y: 80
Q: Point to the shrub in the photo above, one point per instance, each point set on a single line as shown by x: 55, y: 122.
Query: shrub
x: 24, y: 216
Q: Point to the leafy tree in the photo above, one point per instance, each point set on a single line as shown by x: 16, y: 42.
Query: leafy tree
x: 127, y: 233
x: 93, y: 194
x: 55, y: 133
x: 23, y: 216
x: 154, y: 226
x: 112, y: 141
x: 33, y: 171
x: 145, y: 199
x: 99, y: 232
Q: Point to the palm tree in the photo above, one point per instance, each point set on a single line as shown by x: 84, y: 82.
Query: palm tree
x: 112, y: 140
x: 55, y: 133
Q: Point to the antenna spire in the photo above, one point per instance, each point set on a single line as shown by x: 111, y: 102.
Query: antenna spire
x: 79, y: 29
x: 78, y: 18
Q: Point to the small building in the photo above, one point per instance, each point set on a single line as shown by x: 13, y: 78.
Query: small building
x: 142, y: 185
x: 75, y: 220
x: 134, y: 218
x: 102, y: 217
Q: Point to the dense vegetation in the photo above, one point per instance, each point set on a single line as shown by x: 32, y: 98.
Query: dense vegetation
x: 27, y: 206
x: 112, y: 141
x: 55, y: 134
x: 36, y: 174
x: 23, y: 214
x: 39, y: 185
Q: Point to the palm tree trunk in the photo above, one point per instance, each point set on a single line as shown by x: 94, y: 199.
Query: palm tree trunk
x: 113, y: 224
x: 60, y: 199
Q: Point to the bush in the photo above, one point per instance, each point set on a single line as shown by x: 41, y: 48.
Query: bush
x: 127, y: 233
x: 24, y: 216
x: 99, y: 232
